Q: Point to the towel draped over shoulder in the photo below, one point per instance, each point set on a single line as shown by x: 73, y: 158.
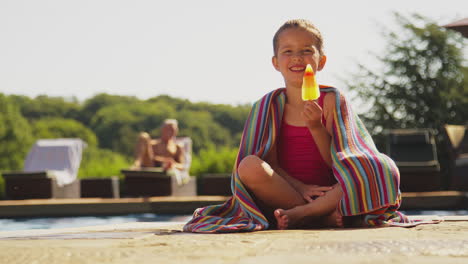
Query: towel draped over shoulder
x: 369, y: 179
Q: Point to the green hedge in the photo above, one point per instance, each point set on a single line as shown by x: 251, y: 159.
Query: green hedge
x: 213, y: 160
x: 102, y: 163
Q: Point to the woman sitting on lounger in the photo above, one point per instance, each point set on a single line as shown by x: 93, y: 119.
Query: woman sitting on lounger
x: 163, y: 152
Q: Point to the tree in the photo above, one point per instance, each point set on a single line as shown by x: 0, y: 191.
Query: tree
x: 46, y: 107
x: 117, y: 126
x: 214, y: 160
x: 63, y: 128
x: 96, y: 103
x: 204, y: 131
x: 101, y: 163
x: 423, y: 83
x: 15, y: 136
x: 228, y: 117
x: 177, y: 103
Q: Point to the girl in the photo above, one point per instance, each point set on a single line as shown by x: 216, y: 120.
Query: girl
x: 304, y: 164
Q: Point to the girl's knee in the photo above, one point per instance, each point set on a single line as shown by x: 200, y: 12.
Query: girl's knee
x: 252, y: 169
x: 248, y: 163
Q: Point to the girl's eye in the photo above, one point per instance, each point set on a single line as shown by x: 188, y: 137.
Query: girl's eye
x: 287, y: 52
x: 308, y: 51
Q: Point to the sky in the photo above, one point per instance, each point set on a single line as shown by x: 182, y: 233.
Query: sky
x: 206, y: 50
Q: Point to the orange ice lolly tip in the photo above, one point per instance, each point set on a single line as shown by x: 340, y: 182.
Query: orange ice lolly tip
x: 310, y: 88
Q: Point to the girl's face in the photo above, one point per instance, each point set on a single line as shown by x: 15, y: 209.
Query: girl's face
x: 296, y: 48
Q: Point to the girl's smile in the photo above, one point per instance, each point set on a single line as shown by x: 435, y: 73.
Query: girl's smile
x: 297, y: 48
x: 298, y: 68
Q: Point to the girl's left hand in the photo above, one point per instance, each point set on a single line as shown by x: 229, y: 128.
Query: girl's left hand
x: 310, y: 192
x: 312, y: 114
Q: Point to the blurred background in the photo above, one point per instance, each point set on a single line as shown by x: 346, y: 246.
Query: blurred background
x: 105, y: 70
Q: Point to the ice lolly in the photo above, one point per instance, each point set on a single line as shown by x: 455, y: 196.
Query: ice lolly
x: 310, y: 88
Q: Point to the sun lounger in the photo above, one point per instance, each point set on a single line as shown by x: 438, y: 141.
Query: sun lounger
x: 146, y: 182
x: 214, y: 184
x: 414, y: 152
x: 50, y: 171
x: 100, y: 187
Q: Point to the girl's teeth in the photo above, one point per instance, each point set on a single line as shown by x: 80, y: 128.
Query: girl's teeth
x: 297, y: 69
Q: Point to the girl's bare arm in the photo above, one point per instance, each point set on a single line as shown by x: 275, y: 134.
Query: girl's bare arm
x: 329, y: 106
x: 321, y: 132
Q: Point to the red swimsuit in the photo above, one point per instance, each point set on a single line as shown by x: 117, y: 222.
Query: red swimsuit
x: 299, y: 156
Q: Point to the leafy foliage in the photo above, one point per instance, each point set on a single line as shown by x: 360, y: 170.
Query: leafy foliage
x: 46, y: 107
x: 110, y: 125
x: 204, y: 131
x: 117, y: 126
x: 423, y: 83
x: 101, y: 163
x: 63, y: 128
x: 207, y: 123
x: 15, y: 135
x: 214, y: 160
x: 100, y: 101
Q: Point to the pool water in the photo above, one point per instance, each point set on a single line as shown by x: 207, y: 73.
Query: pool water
x: 11, y: 224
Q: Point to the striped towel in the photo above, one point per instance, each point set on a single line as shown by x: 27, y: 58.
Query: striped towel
x: 369, y: 179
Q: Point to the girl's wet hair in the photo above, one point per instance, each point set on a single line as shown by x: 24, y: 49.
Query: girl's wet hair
x: 303, y: 24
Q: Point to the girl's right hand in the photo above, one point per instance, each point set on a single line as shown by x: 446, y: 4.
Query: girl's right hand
x: 309, y: 192
x: 312, y: 114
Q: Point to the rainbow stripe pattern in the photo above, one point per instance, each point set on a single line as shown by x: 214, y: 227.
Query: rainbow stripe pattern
x: 369, y: 179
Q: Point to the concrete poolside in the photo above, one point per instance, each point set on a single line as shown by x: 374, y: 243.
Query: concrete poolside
x: 141, y: 243
x: 152, y: 242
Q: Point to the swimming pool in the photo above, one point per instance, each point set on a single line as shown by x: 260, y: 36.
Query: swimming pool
x: 12, y: 224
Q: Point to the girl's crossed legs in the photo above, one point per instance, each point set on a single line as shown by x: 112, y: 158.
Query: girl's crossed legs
x: 272, y: 192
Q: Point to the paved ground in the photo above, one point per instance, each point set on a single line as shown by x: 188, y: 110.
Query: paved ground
x: 442, y: 243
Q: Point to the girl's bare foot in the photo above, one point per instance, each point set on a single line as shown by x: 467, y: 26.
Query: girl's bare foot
x: 288, y: 219
x: 295, y: 218
x: 282, y: 219
x: 335, y: 219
